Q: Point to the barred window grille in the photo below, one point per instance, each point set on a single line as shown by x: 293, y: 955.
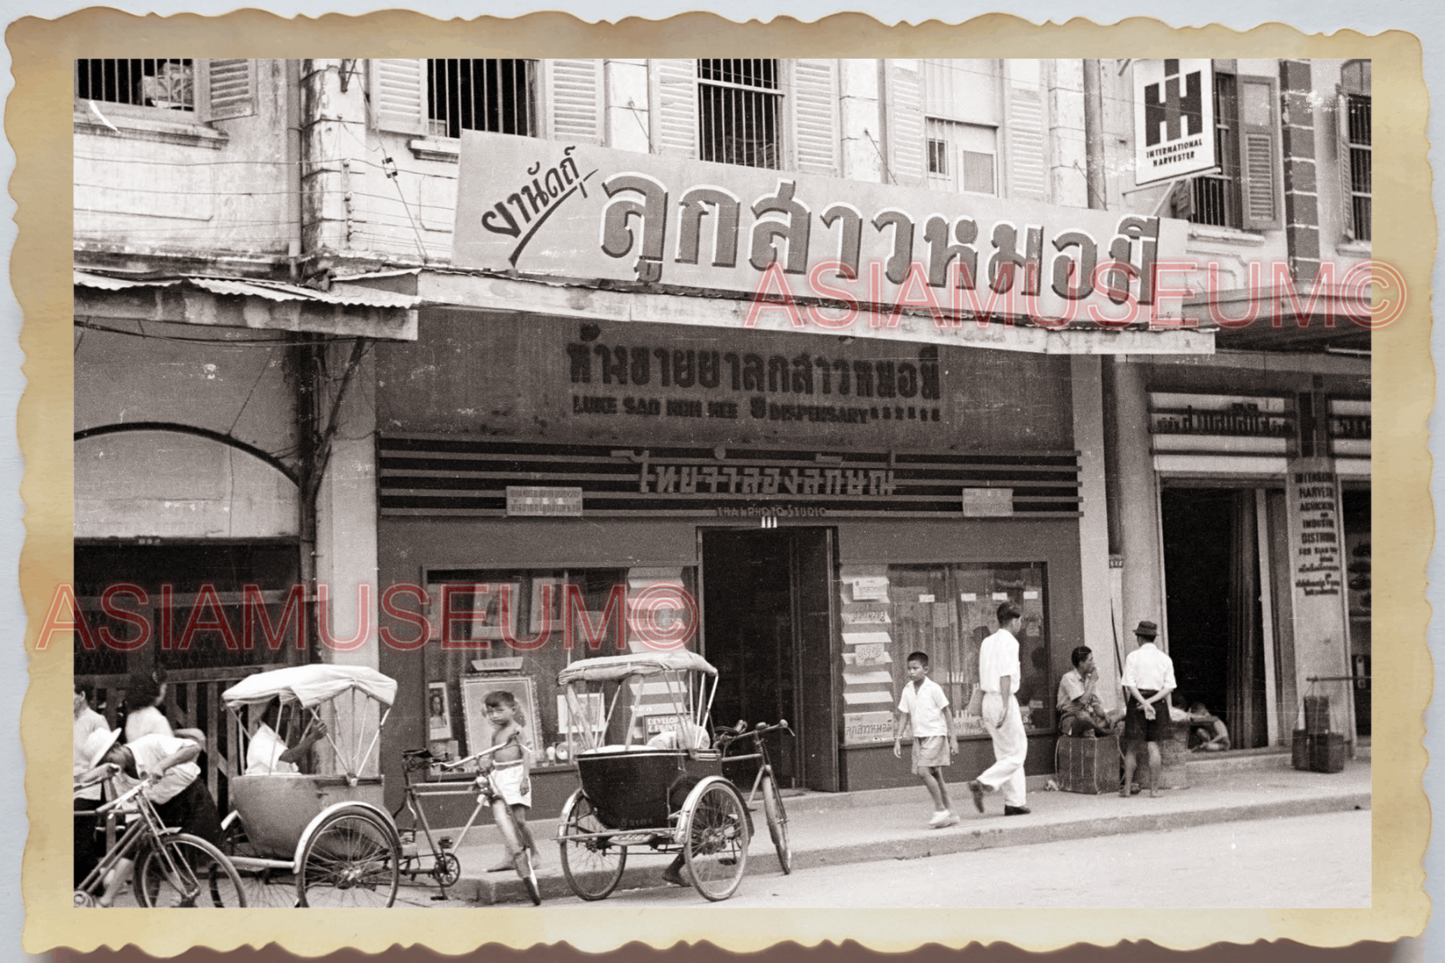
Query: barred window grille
x: 489, y: 95
x: 1360, y: 164
x: 1216, y: 196
x: 738, y: 107
x: 165, y: 83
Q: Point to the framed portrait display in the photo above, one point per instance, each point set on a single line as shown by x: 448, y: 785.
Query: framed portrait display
x: 590, y: 717
x: 474, y: 708
x: 476, y: 609
x: 438, y: 712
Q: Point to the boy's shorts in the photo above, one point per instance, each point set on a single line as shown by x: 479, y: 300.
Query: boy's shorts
x: 507, y: 778
x: 930, y: 751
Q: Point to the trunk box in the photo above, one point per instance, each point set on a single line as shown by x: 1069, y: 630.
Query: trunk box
x: 1087, y: 765
x: 1318, y: 752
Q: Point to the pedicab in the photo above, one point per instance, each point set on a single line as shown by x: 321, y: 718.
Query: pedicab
x: 660, y: 786
x: 307, y: 840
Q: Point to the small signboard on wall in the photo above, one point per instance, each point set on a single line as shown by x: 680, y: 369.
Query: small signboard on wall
x: 867, y: 727
x: 988, y: 502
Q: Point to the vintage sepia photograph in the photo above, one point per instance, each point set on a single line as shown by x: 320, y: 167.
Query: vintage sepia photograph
x: 945, y: 470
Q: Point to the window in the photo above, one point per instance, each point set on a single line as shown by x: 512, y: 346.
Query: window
x: 1216, y: 196
x: 961, y: 157
x: 544, y: 619
x: 889, y: 611
x: 1355, y: 157
x: 961, y: 105
x: 1243, y: 193
x: 167, y: 83
x: 738, y: 109
x: 488, y: 95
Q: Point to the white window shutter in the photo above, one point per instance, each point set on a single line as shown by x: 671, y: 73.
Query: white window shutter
x: 813, y: 107
x: 573, y: 100
x: 397, y: 89
x: 1342, y: 154
x: 1027, y: 157
x: 905, y: 123
x: 1258, y: 140
x: 674, y: 106
x: 228, y: 89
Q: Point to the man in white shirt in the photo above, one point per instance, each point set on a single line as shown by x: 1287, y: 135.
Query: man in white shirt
x: 1148, y: 678
x: 87, y: 720
x: 998, y: 672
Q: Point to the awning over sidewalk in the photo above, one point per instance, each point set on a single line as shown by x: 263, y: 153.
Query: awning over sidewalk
x: 348, y: 310
x: 489, y: 292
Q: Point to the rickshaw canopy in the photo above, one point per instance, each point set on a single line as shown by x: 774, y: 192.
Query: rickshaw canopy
x: 310, y: 685
x: 612, y: 668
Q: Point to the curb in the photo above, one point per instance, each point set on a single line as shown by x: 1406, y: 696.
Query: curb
x: 764, y: 861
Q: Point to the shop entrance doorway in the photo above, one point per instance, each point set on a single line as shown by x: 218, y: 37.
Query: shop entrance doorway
x: 767, y: 626
x: 1212, y: 577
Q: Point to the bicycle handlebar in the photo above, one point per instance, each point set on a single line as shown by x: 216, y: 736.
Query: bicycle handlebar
x: 730, y: 734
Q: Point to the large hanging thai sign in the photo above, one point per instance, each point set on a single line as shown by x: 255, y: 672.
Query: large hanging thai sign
x: 1173, y: 119
x: 816, y: 246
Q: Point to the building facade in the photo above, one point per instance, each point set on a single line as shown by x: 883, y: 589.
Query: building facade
x: 803, y: 364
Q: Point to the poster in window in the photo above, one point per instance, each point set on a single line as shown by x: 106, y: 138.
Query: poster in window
x: 474, y: 708
x: 474, y: 610
x: 546, y: 598
x: 590, y: 718
x: 438, y: 712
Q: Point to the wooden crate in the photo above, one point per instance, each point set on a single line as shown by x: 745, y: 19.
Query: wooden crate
x: 1087, y: 765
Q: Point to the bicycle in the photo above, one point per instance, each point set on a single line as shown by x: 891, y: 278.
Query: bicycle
x: 172, y: 868
x: 763, y: 780
x: 446, y: 867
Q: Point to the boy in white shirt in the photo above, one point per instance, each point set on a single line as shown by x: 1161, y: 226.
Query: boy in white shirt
x: 926, y: 707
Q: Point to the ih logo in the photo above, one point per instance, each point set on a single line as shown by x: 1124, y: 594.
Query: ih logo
x: 1171, y: 108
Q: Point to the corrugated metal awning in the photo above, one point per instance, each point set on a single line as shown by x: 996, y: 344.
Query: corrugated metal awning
x: 344, y: 311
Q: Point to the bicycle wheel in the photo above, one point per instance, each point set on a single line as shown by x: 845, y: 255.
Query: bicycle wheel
x: 264, y: 886
x: 352, y: 859
x: 716, y: 841
x: 197, y: 874
x: 777, y: 821
x: 593, y: 866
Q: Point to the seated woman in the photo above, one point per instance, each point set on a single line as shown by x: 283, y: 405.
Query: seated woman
x: 268, y: 753
x: 1207, y: 732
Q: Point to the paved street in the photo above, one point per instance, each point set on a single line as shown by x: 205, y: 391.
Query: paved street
x: 1308, y: 861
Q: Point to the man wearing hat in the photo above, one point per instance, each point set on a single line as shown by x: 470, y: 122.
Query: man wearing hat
x: 167, y: 767
x: 1148, y: 678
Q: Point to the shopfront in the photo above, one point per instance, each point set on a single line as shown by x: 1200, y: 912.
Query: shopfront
x: 1264, y: 514
x: 535, y: 508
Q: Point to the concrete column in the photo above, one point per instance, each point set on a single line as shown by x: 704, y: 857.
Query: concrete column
x: 860, y: 120
x: 331, y: 159
x: 1069, y: 152
x: 346, y: 536
x: 1301, y: 191
x: 1088, y: 411
x: 624, y: 84
x: 1138, y: 505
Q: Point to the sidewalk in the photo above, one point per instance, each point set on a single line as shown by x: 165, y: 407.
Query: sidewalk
x: 835, y: 828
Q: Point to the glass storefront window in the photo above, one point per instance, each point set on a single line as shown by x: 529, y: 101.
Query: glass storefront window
x: 945, y: 610
x: 515, y: 629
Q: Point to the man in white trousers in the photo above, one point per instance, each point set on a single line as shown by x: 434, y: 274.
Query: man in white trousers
x: 998, y: 671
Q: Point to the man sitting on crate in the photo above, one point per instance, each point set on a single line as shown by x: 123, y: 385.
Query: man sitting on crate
x: 1081, y: 713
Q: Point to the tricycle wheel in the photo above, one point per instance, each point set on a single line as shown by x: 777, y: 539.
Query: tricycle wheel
x: 716, y: 840
x: 593, y: 866
x: 448, y: 870
x: 352, y: 859
x: 777, y: 821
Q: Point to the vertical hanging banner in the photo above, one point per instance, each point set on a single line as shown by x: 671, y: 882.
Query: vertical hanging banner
x: 1173, y: 119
